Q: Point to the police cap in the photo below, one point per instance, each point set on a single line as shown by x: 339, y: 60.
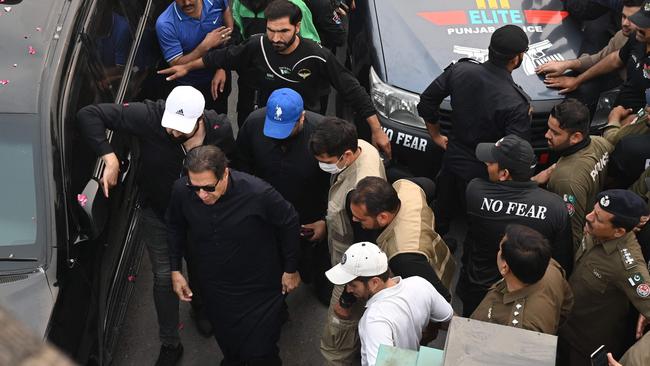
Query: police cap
x: 509, y: 41
x: 623, y: 204
x: 512, y: 153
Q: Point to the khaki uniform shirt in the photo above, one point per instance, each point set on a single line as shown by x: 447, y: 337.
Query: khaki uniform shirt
x: 541, y: 307
x: 413, y: 231
x: 639, y: 354
x: 578, y: 178
x: 642, y: 186
x: 614, y: 132
x: 615, y: 43
x: 339, y: 230
x: 606, y: 278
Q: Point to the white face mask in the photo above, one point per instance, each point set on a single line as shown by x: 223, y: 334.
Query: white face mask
x: 331, y: 168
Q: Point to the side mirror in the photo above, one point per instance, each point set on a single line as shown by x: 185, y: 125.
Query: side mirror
x: 94, y: 206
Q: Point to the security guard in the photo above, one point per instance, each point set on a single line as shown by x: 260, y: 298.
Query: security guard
x: 509, y: 197
x: 405, y: 224
x: 609, y: 274
x: 580, y: 172
x: 282, y: 59
x: 335, y: 145
x: 533, y: 293
x: 486, y: 105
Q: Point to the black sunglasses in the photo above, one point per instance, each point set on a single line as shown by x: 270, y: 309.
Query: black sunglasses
x: 209, y: 188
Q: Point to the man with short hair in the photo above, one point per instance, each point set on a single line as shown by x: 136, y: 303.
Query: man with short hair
x: 397, y: 309
x: 187, y: 30
x: 593, y: 84
x: 508, y: 197
x: 486, y: 105
x: 405, y: 226
x: 273, y: 145
x: 244, y: 246
x: 348, y: 159
x: 281, y: 58
x: 165, y: 130
x: 609, y: 274
x: 533, y: 293
x: 581, y: 170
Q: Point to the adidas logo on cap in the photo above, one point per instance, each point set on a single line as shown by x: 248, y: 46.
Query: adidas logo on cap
x: 180, y: 112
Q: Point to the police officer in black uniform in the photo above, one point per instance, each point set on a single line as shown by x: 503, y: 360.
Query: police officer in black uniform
x: 282, y: 59
x: 486, y: 105
x: 508, y: 197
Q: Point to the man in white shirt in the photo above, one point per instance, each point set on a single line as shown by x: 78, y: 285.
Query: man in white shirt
x: 397, y: 310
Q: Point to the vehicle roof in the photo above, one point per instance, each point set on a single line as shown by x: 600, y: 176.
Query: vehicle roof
x: 27, y: 25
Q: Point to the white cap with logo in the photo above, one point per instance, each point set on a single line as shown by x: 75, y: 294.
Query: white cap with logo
x: 362, y: 259
x: 183, y: 107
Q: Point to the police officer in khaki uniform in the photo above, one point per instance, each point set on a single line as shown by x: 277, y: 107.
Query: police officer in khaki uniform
x: 609, y: 273
x: 637, y: 355
x: 580, y: 172
x: 335, y: 145
x: 406, y: 230
x: 533, y: 293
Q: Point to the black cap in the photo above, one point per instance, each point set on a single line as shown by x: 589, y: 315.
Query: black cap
x: 509, y: 41
x: 622, y: 204
x: 642, y: 17
x: 512, y: 153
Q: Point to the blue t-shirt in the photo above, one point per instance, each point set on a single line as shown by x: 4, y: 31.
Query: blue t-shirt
x: 179, y: 34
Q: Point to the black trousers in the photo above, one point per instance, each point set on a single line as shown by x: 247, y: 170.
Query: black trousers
x: 450, y: 199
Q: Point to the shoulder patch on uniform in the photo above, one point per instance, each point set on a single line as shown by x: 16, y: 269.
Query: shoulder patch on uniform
x: 635, y: 279
x: 643, y: 290
x: 628, y: 260
x: 570, y: 202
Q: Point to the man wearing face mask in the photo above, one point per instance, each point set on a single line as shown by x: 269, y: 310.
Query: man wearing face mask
x: 165, y: 130
x: 243, y: 241
x: 335, y: 145
x: 272, y: 144
x: 280, y: 59
x: 486, y: 105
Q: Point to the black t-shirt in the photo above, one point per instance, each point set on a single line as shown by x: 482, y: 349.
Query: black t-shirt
x: 308, y: 70
x: 635, y: 57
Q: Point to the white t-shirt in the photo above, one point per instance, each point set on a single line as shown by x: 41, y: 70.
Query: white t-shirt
x: 395, y: 316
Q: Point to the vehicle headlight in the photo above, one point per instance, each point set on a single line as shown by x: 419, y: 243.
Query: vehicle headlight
x: 393, y: 103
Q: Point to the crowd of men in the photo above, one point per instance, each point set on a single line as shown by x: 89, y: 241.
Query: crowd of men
x: 562, y: 252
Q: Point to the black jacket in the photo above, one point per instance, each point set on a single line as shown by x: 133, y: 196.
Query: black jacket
x: 287, y: 165
x: 486, y: 105
x: 492, y: 206
x: 309, y: 70
x: 161, y: 158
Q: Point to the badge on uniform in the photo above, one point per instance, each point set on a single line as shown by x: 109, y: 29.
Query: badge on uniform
x: 570, y: 201
x: 628, y: 260
x: 643, y: 290
x: 635, y: 279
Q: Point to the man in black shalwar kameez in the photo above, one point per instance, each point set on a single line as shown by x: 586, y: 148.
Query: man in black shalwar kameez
x: 244, y: 239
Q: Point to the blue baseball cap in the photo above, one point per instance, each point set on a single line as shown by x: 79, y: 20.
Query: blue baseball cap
x: 283, y: 110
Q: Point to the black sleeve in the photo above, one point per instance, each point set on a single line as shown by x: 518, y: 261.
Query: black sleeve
x: 518, y: 121
x: 624, y: 52
x: 414, y: 264
x: 93, y: 120
x: 232, y: 57
x: 220, y: 134
x: 176, y: 227
x: 562, y: 244
x: 345, y: 83
x: 284, y: 217
x: 245, y: 161
x: 433, y: 95
x: 328, y: 23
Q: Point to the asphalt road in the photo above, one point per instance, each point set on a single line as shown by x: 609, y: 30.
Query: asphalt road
x: 299, y: 342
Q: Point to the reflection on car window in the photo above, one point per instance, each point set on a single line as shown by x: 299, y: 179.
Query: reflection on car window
x: 17, y: 186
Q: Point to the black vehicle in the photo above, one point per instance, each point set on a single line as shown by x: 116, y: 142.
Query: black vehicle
x: 68, y: 256
x: 397, y: 48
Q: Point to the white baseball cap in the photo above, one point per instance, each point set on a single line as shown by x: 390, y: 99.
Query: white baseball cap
x: 362, y: 259
x: 183, y: 107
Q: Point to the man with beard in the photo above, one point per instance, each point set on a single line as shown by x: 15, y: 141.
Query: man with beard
x: 486, y: 105
x: 581, y: 170
x: 243, y: 240
x: 282, y: 59
x: 165, y: 130
x: 610, y: 273
x: 188, y: 29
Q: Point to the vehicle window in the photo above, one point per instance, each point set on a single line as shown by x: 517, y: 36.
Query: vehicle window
x: 17, y: 187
